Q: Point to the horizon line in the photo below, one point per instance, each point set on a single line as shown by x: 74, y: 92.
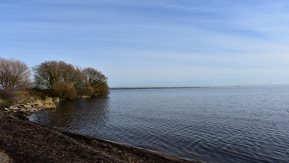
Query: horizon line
x: 173, y: 87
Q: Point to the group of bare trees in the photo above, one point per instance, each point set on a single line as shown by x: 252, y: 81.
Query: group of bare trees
x: 52, y: 78
x: 68, y: 82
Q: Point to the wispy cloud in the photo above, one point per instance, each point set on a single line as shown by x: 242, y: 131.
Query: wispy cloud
x: 216, y: 41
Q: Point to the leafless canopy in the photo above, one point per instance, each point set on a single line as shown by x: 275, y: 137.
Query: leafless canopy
x: 67, y: 81
x: 50, y: 73
x: 94, y: 77
x: 97, y: 81
x: 14, y: 75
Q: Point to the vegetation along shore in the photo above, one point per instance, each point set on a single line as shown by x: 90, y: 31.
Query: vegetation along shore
x: 55, y: 81
x: 52, y: 82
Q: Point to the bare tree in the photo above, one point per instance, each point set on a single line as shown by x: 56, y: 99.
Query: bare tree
x: 94, y: 77
x: 49, y: 73
x: 62, y: 80
x: 97, y: 80
x: 14, y: 75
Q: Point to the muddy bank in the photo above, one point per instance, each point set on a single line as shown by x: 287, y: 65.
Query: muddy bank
x: 24, y: 141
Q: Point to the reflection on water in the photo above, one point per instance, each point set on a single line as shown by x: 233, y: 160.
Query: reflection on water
x: 212, y: 124
x: 78, y: 115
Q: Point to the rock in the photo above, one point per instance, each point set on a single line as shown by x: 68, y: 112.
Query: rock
x: 22, y: 109
x: 32, y: 109
x: 27, y: 106
x: 4, y: 158
x: 14, y: 108
x: 17, y: 106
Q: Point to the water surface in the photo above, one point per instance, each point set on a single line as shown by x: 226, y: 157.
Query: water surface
x: 247, y: 124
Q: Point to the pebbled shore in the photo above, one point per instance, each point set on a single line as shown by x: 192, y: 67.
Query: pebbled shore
x: 24, y: 141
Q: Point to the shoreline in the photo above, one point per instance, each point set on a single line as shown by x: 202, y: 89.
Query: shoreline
x: 25, y: 141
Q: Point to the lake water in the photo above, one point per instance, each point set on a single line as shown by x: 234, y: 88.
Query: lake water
x: 245, y: 124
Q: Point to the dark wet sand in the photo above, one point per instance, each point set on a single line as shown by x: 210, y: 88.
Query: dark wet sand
x: 24, y: 141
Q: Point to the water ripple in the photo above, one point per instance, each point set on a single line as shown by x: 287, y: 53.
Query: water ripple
x: 211, y: 124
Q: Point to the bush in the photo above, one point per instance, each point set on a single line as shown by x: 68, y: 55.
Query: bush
x: 101, y: 90
x: 64, y: 90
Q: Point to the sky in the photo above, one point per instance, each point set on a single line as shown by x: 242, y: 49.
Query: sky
x: 154, y: 42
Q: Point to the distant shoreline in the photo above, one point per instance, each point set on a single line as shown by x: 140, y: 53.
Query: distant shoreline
x: 226, y: 86
x: 120, y: 88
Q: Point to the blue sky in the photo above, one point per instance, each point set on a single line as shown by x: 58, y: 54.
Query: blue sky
x: 154, y: 42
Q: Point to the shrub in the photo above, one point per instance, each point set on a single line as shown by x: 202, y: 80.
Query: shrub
x: 64, y: 90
